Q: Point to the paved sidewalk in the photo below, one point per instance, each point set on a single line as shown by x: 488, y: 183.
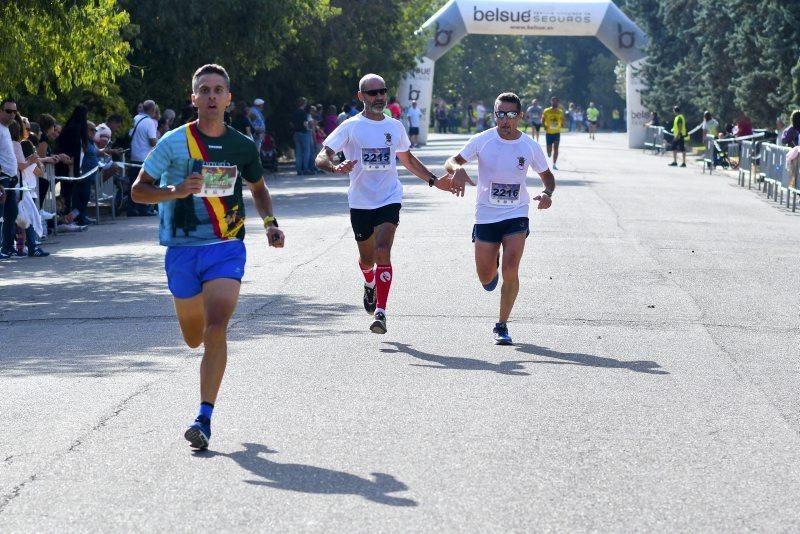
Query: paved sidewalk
x: 653, y: 385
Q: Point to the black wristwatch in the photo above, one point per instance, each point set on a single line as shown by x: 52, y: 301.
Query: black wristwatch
x: 548, y: 192
x: 431, y: 182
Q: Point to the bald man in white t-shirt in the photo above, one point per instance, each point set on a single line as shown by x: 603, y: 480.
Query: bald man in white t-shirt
x: 370, y: 142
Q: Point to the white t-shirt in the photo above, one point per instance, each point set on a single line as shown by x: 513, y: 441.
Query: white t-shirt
x: 373, y: 181
x: 480, y: 110
x: 140, y: 141
x: 711, y: 127
x: 8, y: 161
x: 29, y: 179
x: 502, y: 168
x: 413, y: 115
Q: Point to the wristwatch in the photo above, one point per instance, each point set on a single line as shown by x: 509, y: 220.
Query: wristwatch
x: 269, y: 220
x: 548, y: 192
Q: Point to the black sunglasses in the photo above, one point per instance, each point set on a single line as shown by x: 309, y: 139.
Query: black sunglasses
x: 9, y: 111
x: 375, y: 92
x: 506, y: 114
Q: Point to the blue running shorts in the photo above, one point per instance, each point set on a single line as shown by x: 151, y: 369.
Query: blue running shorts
x: 189, y: 267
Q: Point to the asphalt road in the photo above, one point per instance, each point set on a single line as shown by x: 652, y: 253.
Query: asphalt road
x: 653, y: 384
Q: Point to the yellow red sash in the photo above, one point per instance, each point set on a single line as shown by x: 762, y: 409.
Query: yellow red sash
x: 225, y: 220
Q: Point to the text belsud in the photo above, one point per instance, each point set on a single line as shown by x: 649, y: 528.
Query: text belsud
x: 505, y: 15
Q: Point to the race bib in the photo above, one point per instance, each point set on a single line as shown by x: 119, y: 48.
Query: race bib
x: 376, y: 159
x: 504, y: 194
x: 218, y: 181
x: 554, y: 125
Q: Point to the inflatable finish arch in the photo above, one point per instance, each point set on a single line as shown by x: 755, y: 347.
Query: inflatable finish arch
x: 598, y: 18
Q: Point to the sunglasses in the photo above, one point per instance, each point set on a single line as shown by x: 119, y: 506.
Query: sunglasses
x: 10, y: 111
x: 375, y: 92
x: 506, y: 114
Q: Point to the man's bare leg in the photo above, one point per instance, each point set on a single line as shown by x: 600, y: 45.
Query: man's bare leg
x: 513, y: 247
x: 191, y: 317
x: 220, y: 297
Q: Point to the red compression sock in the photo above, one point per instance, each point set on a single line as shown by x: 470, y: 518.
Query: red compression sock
x: 383, y: 280
x: 368, y: 272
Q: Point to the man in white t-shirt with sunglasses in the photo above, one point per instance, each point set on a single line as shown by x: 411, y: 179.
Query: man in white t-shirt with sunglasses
x: 370, y: 142
x: 504, y: 155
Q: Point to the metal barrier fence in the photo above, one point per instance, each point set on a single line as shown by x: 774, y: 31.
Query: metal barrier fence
x: 721, y: 151
x: 778, y: 175
x: 107, y: 191
x: 654, y: 139
x: 748, y: 158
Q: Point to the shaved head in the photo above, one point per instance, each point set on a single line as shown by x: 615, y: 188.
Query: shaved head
x: 362, y: 84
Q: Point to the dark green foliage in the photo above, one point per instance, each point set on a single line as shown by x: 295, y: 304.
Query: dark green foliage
x: 733, y: 58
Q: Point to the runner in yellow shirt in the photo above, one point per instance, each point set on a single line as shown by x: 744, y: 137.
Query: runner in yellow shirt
x: 592, y: 114
x: 553, y: 120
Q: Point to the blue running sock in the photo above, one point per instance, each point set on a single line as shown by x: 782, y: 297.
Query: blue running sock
x: 206, y: 409
x: 493, y: 284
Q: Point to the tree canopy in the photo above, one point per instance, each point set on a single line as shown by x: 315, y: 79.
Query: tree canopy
x: 52, y: 47
x: 732, y: 57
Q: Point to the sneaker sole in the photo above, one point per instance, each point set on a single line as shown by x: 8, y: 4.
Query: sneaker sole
x: 196, y: 439
x: 377, y: 328
x: 503, y: 342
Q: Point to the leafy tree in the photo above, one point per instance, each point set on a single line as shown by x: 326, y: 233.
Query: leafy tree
x: 245, y: 36
x: 735, y: 58
x: 54, y: 48
x: 328, y: 59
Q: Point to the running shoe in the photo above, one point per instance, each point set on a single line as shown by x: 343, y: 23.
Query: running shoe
x: 673, y: 164
x: 369, y: 299
x: 683, y: 165
x: 378, y: 326
x: 501, y: 336
x: 493, y: 284
x: 38, y: 253
x: 199, y: 433
x: 555, y: 167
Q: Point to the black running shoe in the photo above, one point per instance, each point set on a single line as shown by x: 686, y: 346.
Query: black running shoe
x: 378, y: 326
x: 369, y: 299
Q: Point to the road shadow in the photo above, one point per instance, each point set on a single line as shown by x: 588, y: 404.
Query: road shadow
x: 516, y: 367
x: 310, y: 479
x: 511, y: 368
x: 147, y: 337
x: 589, y: 360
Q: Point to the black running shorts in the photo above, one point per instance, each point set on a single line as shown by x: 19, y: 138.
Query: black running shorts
x: 495, y: 232
x: 365, y: 221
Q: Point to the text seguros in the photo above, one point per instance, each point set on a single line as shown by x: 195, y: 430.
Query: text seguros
x: 504, y: 15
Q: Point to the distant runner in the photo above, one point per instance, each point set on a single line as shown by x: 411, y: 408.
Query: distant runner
x: 534, y: 115
x: 553, y: 120
x: 592, y: 114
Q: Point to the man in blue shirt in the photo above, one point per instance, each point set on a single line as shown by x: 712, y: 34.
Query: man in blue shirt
x: 195, y: 174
